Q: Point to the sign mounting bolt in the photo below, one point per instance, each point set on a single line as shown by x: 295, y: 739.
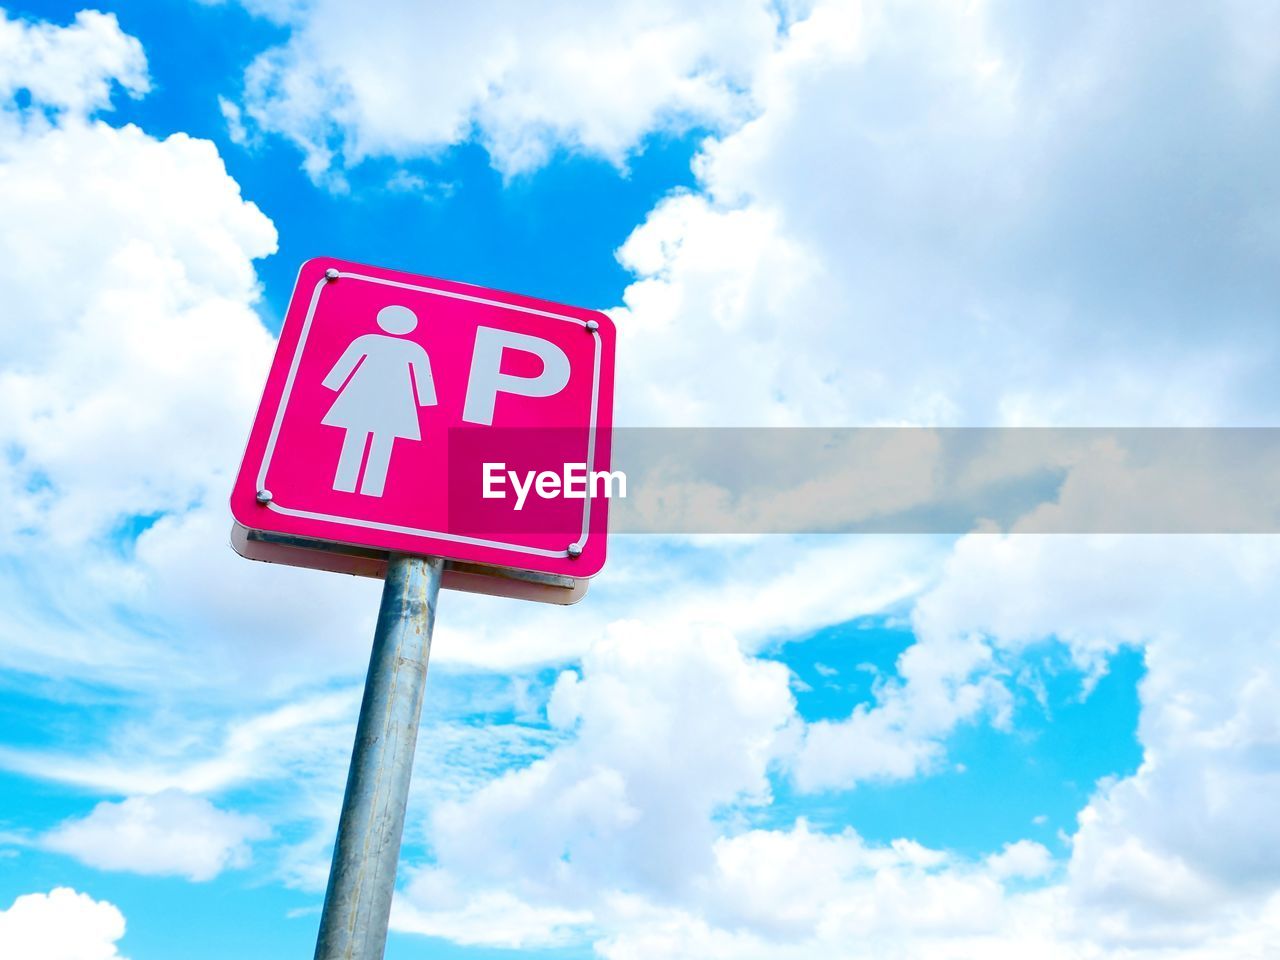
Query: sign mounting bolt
x: 593, y: 326
x: 331, y: 273
x: 264, y: 496
x: 575, y: 550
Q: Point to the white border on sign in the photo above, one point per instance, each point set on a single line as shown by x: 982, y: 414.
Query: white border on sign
x: 580, y: 543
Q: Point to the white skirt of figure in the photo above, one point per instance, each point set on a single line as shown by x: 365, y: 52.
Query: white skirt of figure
x: 380, y: 398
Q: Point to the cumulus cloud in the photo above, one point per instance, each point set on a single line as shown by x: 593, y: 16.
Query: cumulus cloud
x: 131, y: 358
x: 130, y: 345
x: 635, y: 834
x: 1172, y: 855
x: 670, y: 727
x: 71, y: 68
x: 961, y: 213
x: 1178, y: 846
x: 1024, y: 859
x: 61, y: 925
x: 1007, y: 220
x: 759, y: 589
x: 940, y: 683
x: 132, y: 355
x: 407, y: 79
x: 170, y: 833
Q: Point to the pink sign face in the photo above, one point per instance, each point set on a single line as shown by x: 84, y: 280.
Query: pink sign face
x: 404, y: 413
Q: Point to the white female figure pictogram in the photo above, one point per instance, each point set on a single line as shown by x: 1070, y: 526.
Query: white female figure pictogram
x: 381, y: 383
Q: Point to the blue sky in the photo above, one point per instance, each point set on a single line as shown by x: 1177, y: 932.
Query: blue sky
x: 801, y: 213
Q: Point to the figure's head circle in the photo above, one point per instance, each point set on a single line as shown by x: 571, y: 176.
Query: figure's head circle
x: 397, y: 319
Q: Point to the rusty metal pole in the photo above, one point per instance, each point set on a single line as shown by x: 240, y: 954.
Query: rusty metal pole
x: 357, y: 903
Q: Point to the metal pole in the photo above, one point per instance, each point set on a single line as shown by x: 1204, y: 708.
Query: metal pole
x: 357, y: 903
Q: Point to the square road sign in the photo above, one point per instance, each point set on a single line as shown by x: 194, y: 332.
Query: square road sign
x: 392, y: 397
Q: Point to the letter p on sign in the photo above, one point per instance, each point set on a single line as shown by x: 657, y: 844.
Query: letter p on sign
x: 487, y: 378
x: 385, y: 388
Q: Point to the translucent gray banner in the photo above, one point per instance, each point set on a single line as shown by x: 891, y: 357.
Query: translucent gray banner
x: 918, y: 480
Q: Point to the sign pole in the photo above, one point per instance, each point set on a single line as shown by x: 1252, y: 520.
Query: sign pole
x: 357, y: 903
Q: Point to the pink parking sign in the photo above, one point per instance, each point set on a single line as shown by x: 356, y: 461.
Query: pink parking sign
x: 405, y: 414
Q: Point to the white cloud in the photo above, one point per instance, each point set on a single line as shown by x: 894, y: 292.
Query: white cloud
x: 759, y: 589
x: 491, y: 918
x: 170, y: 833
x: 760, y: 893
x: 60, y: 925
x: 1176, y: 849
x: 671, y: 727
x: 408, y: 79
x: 940, y: 683
x: 1024, y: 859
x: 1006, y: 219
x: 634, y: 834
x: 131, y: 360
x: 1171, y: 856
x: 70, y: 68
x: 965, y: 214
x: 131, y: 355
x: 1169, y: 863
